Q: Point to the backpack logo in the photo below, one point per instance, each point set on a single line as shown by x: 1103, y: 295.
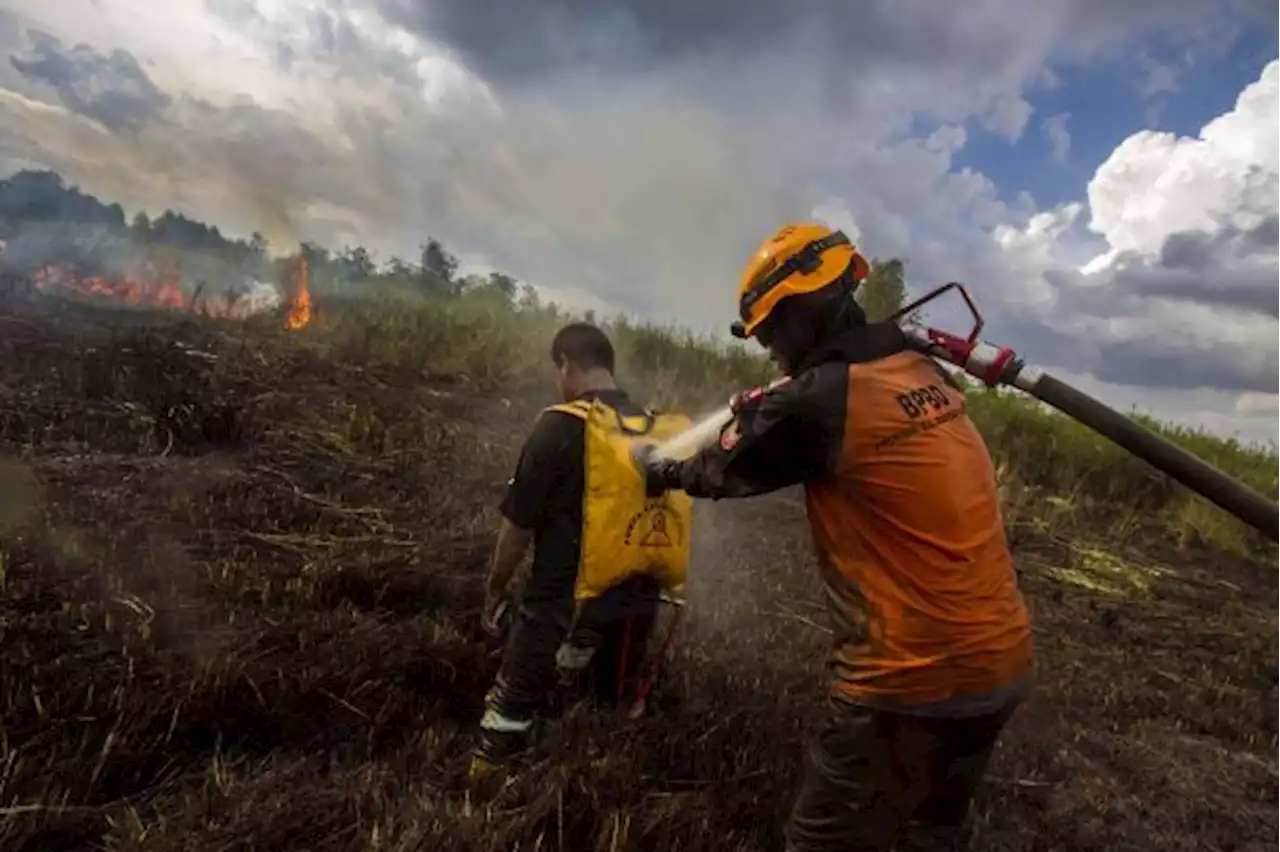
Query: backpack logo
x: 657, y: 535
x: 651, y: 527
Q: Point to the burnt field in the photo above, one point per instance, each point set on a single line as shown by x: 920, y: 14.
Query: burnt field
x: 242, y: 574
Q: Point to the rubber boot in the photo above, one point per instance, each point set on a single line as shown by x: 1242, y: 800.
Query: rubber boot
x: 502, y: 738
x: 485, y: 779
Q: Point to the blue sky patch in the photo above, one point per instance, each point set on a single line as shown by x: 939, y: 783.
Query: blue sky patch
x: 1105, y: 104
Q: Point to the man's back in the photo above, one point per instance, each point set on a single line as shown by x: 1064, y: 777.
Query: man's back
x: 909, y: 532
x: 546, y: 495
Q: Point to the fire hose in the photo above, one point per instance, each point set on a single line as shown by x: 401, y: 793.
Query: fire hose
x: 996, y: 366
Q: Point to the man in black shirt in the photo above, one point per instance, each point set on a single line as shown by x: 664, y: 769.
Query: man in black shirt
x: 544, y: 505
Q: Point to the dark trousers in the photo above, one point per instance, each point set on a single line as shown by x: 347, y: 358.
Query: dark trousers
x: 871, y: 772
x: 547, y: 644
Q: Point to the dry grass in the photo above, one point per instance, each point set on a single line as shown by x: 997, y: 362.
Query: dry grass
x: 241, y: 576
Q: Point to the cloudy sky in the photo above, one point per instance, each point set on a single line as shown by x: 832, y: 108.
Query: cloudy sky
x: 1103, y: 175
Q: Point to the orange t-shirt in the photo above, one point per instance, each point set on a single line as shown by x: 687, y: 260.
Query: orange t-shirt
x: 909, y: 534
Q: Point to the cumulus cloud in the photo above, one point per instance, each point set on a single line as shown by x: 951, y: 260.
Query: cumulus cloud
x: 1173, y: 284
x: 1155, y: 183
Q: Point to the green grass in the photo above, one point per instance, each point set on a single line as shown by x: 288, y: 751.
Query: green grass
x: 499, y: 346
x: 1053, y: 453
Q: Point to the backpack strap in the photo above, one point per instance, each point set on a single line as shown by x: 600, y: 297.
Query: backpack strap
x: 579, y: 408
x: 631, y: 425
x: 635, y: 425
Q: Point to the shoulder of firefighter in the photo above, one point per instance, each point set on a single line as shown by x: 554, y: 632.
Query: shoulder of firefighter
x: 625, y: 531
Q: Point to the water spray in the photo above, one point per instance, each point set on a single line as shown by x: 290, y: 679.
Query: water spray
x: 694, y: 438
x: 998, y: 366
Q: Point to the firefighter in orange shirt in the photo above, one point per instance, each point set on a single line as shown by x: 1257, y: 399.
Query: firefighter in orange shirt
x: 934, y: 647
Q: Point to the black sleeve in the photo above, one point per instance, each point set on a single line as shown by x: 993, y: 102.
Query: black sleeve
x: 785, y: 435
x: 543, y: 460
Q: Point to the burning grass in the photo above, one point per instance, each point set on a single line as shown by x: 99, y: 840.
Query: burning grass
x: 159, y: 284
x: 241, y: 577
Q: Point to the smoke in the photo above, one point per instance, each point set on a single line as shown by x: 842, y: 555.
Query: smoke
x: 74, y: 245
x: 258, y: 297
x: 751, y: 573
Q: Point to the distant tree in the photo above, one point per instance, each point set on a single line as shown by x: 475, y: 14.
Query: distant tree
x: 529, y: 299
x: 438, y: 268
x: 356, y: 264
x: 140, y: 228
x: 250, y: 257
x: 884, y: 291
x: 317, y: 257
x: 42, y: 196
x: 398, y: 267
x: 468, y: 285
x: 175, y: 229
x: 31, y: 195
x: 504, y: 285
x: 258, y: 244
x: 115, y: 216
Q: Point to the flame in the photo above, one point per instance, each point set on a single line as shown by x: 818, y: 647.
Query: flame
x: 158, y: 283
x: 136, y: 291
x: 300, y: 304
x: 151, y: 289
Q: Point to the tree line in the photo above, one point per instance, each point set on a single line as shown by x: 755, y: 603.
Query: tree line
x: 43, y: 221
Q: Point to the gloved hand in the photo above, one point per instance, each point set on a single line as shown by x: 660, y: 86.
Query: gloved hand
x: 750, y: 396
x: 657, y: 473
x: 744, y: 398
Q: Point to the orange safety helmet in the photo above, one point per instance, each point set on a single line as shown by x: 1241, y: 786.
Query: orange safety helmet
x: 802, y: 257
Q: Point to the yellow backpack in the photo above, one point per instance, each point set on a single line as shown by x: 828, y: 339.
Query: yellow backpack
x: 623, y: 532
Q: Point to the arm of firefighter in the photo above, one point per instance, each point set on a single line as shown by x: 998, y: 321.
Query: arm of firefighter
x: 781, y: 437
x: 508, y: 552
x: 537, y: 473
